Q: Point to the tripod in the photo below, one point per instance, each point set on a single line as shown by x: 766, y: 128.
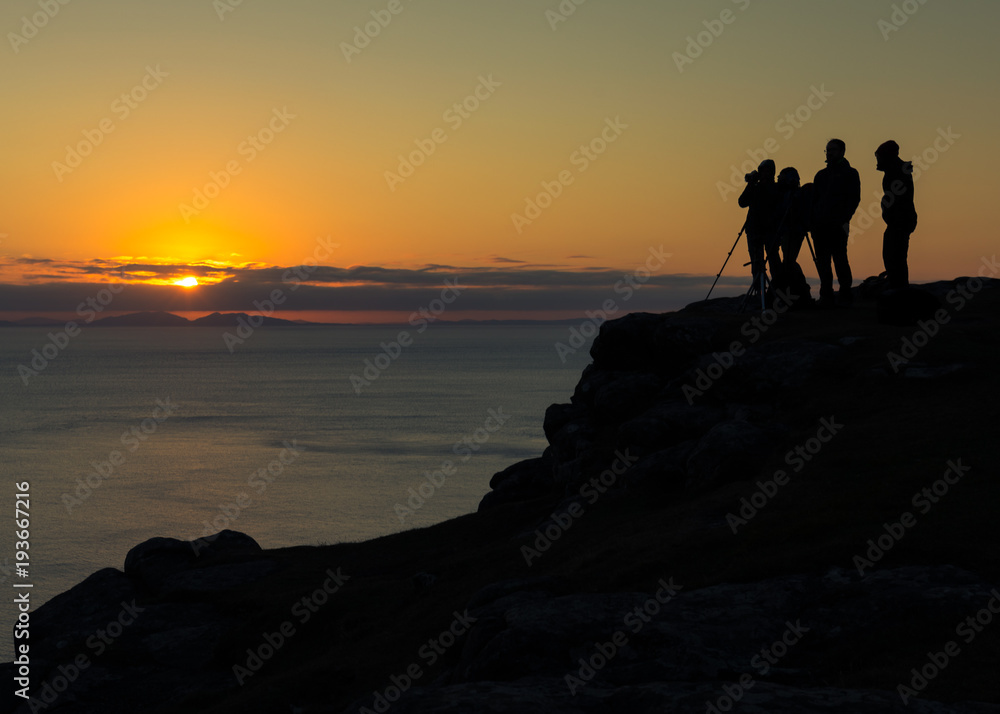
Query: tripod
x: 757, y: 287
x: 812, y: 252
x: 726, y: 262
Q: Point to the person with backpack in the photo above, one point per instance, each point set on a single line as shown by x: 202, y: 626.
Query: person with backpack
x: 793, y: 206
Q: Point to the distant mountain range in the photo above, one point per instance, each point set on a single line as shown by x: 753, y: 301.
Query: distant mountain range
x: 164, y: 319
x: 230, y: 319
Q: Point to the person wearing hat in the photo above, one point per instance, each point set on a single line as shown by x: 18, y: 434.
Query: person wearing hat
x: 761, y: 197
x: 898, y: 212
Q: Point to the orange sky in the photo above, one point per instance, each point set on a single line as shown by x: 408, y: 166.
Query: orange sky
x: 223, y: 139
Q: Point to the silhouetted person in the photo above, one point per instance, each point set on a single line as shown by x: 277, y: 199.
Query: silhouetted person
x: 760, y: 196
x: 793, y: 206
x: 897, y: 211
x: 836, y: 195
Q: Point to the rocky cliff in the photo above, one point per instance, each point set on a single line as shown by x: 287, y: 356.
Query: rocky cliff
x: 788, y: 511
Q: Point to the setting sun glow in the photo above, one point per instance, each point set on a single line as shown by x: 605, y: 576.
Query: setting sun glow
x: 187, y: 282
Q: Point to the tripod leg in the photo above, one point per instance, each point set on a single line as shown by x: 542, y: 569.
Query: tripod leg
x: 725, y: 263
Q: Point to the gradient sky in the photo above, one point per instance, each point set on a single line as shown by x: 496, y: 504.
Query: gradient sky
x: 217, y: 73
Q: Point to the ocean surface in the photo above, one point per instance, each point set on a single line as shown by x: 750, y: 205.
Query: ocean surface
x: 131, y: 433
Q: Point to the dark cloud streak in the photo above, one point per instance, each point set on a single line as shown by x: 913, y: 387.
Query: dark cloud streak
x: 359, y: 288
x: 669, y: 292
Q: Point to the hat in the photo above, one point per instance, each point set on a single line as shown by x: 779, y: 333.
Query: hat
x: 889, y: 148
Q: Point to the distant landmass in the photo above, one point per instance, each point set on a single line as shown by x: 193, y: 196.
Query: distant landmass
x: 32, y: 322
x: 233, y: 319
x: 216, y: 319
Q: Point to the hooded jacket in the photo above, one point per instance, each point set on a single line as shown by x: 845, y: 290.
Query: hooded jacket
x: 897, y: 189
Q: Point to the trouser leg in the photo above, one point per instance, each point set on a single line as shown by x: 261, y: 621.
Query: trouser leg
x: 895, y: 246
x: 824, y: 254
x: 841, y: 262
x: 755, y: 246
x: 773, y: 246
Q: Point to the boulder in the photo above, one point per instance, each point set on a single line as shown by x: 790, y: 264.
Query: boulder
x: 520, y: 482
x: 155, y: 561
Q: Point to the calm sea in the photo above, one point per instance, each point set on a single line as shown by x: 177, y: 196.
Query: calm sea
x: 177, y: 436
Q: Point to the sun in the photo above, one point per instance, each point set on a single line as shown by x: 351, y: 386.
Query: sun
x: 187, y: 282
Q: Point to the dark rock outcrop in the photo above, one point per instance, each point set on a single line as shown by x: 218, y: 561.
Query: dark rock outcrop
x: 675, y: 650
x: 691, y: 394
x: 573, y: 606
x: 156, y: 623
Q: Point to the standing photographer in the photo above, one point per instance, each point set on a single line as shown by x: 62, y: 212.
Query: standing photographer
x: 761, y: 196
x: 836, y: 195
